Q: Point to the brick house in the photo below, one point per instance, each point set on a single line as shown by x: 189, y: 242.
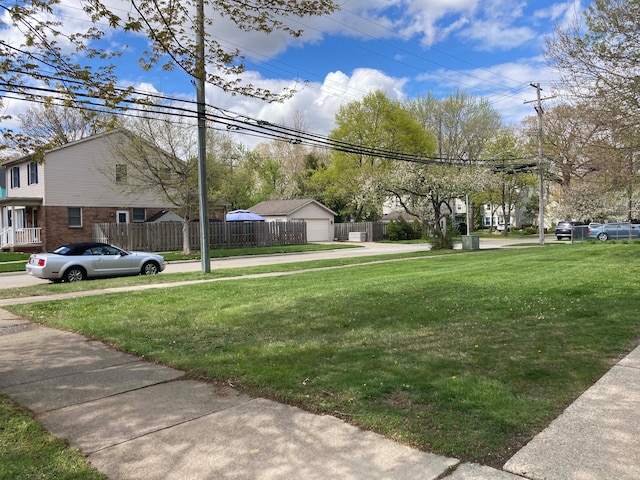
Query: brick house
x: 46, y: 204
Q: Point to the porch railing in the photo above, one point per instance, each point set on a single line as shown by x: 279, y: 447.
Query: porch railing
x: 5, y: 236
x: 20, y: 236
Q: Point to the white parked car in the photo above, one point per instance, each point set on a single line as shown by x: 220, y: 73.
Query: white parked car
x: 78, y: 261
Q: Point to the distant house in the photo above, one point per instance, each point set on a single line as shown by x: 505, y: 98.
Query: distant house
x: 319, y: 218
x: 58, y: 201
x: 395, y: 216
x: 164, y: 216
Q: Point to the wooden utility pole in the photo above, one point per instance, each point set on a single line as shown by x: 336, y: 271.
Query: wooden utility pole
x: 200, y: 74
x: 540, y: 111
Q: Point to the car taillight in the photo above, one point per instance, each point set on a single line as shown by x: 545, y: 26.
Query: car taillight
x: 41, y: 262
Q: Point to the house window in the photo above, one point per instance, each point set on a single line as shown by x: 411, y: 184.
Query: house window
x: 32, y: 173
x: 121, y: 173
x: 122, y: 216
x: 139, y: 214
x: 15, y: 177
x: 75, y: 216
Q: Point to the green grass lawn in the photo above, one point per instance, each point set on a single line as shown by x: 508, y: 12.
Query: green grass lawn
x: 13, y: 262
x: 28, y: 452
x: 462, y: 355
x: 295, y: 264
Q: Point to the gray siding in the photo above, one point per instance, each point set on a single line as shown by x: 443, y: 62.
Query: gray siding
x: 83, y: 175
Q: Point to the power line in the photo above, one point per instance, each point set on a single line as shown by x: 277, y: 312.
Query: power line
x: 455, y: 77
x: 231, y: 120
x: 243, y: 124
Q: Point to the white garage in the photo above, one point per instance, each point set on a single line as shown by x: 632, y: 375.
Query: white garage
x: 319, y: 218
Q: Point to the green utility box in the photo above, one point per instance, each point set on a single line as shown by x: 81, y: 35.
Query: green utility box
x: 470, y: 242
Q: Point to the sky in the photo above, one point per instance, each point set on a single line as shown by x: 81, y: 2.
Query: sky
x: 407, y: 48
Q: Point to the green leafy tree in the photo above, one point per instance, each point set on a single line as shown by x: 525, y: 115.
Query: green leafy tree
x: 462, y: 124
x: 315, y: 162
x: 229, y: 179
x: 355, y: 179
x: 463, y: 127
x: 513, y: 178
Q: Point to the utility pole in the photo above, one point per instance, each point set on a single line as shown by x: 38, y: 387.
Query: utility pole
x: 200, y: 74
x: 540, y: 111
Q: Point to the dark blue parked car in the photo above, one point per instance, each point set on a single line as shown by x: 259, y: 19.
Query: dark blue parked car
x: 565, y: 229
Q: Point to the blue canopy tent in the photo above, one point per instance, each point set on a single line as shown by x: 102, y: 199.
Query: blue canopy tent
x: 244, y: 216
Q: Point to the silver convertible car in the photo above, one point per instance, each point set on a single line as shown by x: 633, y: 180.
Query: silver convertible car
x: 78, y: 261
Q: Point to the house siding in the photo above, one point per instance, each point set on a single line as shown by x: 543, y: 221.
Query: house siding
x: 83, y: 175
x: 35, y: 190
x: 311, y: 211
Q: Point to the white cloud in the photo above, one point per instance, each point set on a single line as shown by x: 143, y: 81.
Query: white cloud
x: 13, y: 108
x: 563, y: 14
x: 318, y: 102
x: 400, y: 25
x: 492, y: 35
x: 506, y: 86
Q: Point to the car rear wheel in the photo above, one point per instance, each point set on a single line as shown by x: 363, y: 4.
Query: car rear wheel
x: 150, y: 268
x: 603, y: 237
x: 75, y: 274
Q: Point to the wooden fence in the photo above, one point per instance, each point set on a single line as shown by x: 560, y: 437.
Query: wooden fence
x: 375, y: 231
x: 167, y: 236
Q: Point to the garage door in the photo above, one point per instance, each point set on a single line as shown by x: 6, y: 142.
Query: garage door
x: 318, y: 231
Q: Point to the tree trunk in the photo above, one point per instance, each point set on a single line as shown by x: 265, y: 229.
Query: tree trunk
x: 186, y: 244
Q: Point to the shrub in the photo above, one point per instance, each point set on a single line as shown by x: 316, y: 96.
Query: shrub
x: 400, y: 230
x: 443, y: 243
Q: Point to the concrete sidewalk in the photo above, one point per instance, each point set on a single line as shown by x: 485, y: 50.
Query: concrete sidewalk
x: 138, y: 420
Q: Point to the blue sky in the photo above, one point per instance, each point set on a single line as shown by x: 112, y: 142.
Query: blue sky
x: 488, y: 48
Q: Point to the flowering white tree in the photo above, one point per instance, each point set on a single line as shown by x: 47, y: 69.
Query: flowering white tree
x: 426, y: 191
x: 589, y: 200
